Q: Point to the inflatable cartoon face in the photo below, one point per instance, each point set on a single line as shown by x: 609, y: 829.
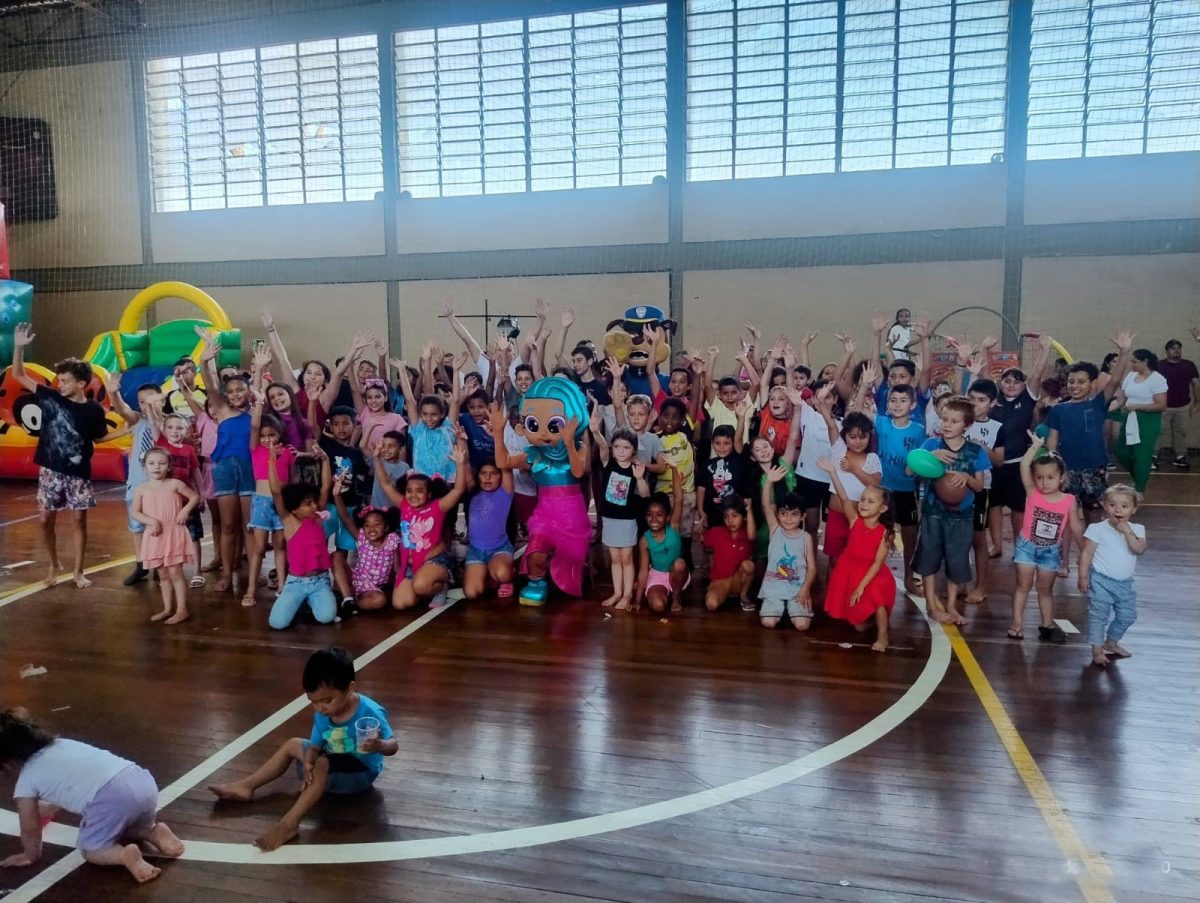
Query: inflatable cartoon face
x: 625, y: 341
x: 546, y: 410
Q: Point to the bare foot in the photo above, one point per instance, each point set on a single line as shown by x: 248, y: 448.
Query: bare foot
x: 955, y: 618
x: 1099, y: 659
x: 162, y: 615
x: 222, y: 585
x: 914, y: 586
x: 165, y: 841
x: 976, y: 597
x: 82, y: 582
x: 276, y: 837
x: 610, y: 601
x: 142, y: 871
x: 880, y: 645
x: 623, y: 605
x: 1113, y: 649
x: 676, y: 604
x: 179, y: 617
x: 52, y: 574
x: 235, y: 793
x: 938, y: 609
x: 248, y: 599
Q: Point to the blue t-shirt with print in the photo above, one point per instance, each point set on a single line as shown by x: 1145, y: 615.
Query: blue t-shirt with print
x: 969, y: 459
x: 481, y: 447
x: 341, y: 738
x: 1080, y: 426
x: 894, y: 445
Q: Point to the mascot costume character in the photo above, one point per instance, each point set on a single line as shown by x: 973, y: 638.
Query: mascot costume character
x: 625, y: 340
x: 554, y: 416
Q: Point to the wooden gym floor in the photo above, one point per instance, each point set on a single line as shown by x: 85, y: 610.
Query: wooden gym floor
x: 563, y: 755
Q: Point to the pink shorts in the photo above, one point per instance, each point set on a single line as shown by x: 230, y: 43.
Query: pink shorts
x: 663, y: 579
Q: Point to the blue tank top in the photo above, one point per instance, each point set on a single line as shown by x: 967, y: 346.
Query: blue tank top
x: 233, y: 438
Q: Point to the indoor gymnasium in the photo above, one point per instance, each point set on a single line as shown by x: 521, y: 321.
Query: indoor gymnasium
x: 599, y: 450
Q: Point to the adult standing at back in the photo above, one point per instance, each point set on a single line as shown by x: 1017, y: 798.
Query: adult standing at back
x: 1183, y: 398
x: 1143, y: 398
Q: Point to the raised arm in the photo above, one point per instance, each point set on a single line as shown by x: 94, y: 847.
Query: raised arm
x: 112, y: 385
x: 461, y: 331
x: 844, y: 389
x: 773, y: 476
x: 455, y: 395
x: 921, y: 328
x: 654, y: 337
x: 793, y: 439
x: 802, y: 353
x: 23, y: 336
x: 504, y: 460
x: 880, y: 350
x: 458, y: 454
x: 339, y: 488
x: 580, y: 454
x: 568, y: 320
x: 285, y: 365
x: 1120, y: 367
x: 260, y: 365
x: 384, y: 482
x: 849, y: 509
x: 594, y: 426
x: 406, y: 389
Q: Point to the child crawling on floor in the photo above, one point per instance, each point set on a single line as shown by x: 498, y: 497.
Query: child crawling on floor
x: 117, y: 798
x: 350, y: 737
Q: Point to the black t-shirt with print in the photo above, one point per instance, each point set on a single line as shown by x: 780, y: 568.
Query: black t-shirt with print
x: 618, y: 499
x: 721, y: 479
x: 359, y: 487
x: 69, y: 429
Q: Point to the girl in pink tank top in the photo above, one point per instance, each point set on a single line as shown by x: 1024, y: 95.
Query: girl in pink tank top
x: 1048, y: 513
x: 301, y: 508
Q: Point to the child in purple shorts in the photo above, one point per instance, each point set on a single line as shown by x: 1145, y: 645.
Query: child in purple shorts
x: 117, y: 798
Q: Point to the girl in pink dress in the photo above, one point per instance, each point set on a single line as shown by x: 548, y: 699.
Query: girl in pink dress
x: 861, y: 588
x: 163, y: 505
x: 376, y: 532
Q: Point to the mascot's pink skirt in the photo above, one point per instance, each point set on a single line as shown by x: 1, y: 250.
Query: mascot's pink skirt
x: 560, y: 528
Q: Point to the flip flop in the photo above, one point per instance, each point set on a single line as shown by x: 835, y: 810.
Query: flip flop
x: 198, y: 581
x: 1015, y: 635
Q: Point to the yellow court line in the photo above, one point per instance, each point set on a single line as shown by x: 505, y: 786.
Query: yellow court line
x: 1093, y: 879
x: 30, y: 588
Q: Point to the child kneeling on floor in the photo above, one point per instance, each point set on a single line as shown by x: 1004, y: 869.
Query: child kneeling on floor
x: 344, y: 754
x: 117, y: 798
x: 302, y: 508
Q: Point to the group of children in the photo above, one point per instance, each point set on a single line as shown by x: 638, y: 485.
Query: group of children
x: 721, y: 474
x: 354, y: 476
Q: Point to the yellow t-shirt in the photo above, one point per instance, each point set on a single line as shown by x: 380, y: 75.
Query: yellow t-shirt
x: 678, y: 452
x: 724, y: 416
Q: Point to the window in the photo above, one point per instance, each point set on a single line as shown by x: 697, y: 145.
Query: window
x: 571, y: 101
x: 922, y: 84
x: 286, y: 124
x: 1114, y: 77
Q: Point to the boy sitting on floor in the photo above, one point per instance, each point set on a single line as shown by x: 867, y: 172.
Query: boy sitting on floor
x: 341, y: 756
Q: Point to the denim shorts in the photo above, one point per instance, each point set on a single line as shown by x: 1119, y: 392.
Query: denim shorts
x: 134, y: 526
x: 343, y: 539
x: 476, y: 555
x: 263, y: 515
x: 233, y: 476
x: 1044, y: 558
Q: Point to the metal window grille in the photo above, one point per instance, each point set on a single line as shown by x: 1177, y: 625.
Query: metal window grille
x: 285, y: 124
x: 545, y: 103
x: 788, y: 87
x: 1114, y: 77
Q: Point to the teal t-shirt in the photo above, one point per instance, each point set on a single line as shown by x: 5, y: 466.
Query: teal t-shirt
x: 664, y: 552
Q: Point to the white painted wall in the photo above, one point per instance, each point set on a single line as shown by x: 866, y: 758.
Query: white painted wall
x: 90, y: 113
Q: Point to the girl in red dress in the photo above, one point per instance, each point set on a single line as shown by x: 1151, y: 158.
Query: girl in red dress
x: 861, y: 587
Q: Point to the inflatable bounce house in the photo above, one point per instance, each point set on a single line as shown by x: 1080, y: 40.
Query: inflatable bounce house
x: 137, y: 355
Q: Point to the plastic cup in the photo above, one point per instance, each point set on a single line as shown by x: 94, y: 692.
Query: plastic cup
x: 365, y: 729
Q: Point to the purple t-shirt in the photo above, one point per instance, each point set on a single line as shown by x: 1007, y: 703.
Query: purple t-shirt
x: 1179, y: 375
x: 488, y: 522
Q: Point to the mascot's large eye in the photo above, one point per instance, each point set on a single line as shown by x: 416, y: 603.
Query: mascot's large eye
x: 556, y: 425
x: 531, y: 424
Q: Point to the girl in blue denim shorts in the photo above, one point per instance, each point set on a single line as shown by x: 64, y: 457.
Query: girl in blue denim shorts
x: 1038, y: 556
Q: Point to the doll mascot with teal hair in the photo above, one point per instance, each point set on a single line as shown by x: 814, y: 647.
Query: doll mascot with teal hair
x: 555, y: 419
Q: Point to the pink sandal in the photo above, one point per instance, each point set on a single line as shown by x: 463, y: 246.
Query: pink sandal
x: 504, y: 591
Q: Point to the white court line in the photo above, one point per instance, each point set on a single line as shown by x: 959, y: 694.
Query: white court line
x: 62, y: 835
x: 392, y: 851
